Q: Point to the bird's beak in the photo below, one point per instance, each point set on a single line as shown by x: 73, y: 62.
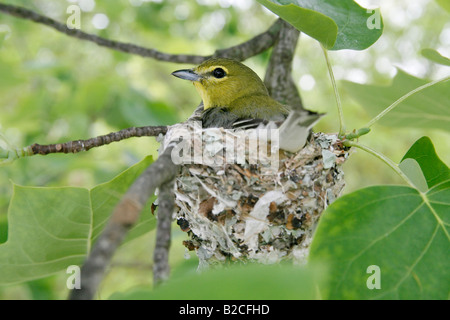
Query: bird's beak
x: 187, y: 74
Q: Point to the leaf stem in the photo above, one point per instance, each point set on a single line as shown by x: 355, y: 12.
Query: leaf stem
x: 383, y: 158
x: 401, y: 99
x: 336, y: 93
x: 9, y: 153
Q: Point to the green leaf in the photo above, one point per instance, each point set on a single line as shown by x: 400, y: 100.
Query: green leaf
x: 427, y: 108
x: 411, y: 168
x: 313, y: 23
x: 394, y: 236
x: 134, y: 109
x: 336, y: 24
x: 250, y: 282
x: 433, y: 170
x: 444, y: 4
x: 404, y: 234
x: 50, y: 229
x: 435, y: 56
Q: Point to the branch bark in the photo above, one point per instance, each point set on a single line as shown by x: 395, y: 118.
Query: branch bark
x: 278, y: 78
x: 24, y: 13
x: 240, y: 52
x: 166, y: 206
x: 254, y: 46
x: 85, y: 145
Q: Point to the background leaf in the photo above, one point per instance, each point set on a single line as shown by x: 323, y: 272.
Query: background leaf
x: 52, y: 228
x: 348, y: 28
x: 428, y: 108
x: 444, y: 4
x: 435, y: 56
x: 48, y: 231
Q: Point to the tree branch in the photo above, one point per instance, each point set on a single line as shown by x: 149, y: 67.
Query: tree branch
x: 125, y: 215
x: 23, y: 13
x: 240, y: 52
x: 85, y: 145
x: 166, y: 200
x: 254, y: 46
x: 278, y: 79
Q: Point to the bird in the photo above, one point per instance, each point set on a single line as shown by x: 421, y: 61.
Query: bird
x: 232, y: 92
x: 235, y: 97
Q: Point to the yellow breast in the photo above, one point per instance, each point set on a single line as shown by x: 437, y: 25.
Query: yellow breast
x: 204, y: 94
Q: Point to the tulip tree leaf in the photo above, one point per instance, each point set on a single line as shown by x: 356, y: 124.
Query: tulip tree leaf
x: 435, y: 56
x: 313, y: 23
x: 336, y: 24
x: 50, y: 229
x: 411, y: 168
x: 434, y: 170
x: 395, y: 231
x: 427, y: 108
x: 391, y: 227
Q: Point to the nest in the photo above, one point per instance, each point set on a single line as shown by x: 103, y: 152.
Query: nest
x: 251, y: 209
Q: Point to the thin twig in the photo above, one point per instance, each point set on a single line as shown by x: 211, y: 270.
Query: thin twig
x: 85, y: 145
x: 336, y: 93
x: 383, y: 158
x: 254, y: 46
x: 240, y: 52
x: 10, y: 153
x: 116, y: 45
x: 125, y: 215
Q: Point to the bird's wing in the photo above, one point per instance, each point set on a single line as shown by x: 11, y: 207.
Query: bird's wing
x: 245, y: 124
x: 218, y: 117
x: 221, y: 117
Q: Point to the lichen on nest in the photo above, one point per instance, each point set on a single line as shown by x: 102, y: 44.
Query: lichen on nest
x: 247, y: 210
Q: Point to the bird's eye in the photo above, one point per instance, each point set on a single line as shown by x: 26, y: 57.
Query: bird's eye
x: 219, y: 73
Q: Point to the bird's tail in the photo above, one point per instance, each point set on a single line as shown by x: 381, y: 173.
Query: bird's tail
x: 294, y: 131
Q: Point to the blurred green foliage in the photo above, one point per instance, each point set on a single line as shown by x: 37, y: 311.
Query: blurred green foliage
x: 252, y: 282
x: 54, y: 89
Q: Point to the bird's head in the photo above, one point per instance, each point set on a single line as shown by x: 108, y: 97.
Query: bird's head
x: 221, y: 81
